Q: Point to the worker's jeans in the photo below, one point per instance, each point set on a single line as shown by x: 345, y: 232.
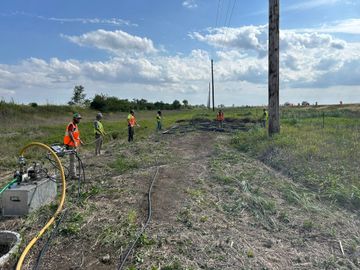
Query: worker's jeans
x: 131, y: 133
x: 98, y: 143
x: 158, y: 127
x: 263, y: 123
x: 220, y: 124
x: 72, y: 165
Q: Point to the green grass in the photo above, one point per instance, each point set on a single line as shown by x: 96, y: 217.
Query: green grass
x: 122, y: 164
x: 324, y: 159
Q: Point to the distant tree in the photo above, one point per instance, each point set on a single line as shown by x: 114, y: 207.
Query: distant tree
x: 33, y: 104
x: 159, y: 105
x: 98, y: 103
x: 87, y: 102
x: 305, y: 103
x: 176, y: 105
x: 186, y: 103
x: 78, y: 96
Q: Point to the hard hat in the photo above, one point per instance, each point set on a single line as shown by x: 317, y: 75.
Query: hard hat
x: 77, y: 116
x: 99, y: 115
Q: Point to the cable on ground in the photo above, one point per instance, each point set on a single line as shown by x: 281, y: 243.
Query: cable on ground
x: 122, y: 262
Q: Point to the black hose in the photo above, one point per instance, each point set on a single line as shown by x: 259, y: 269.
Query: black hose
x: 81, y: 165
x: 53, y: 163
x: 48, y: 241
x: 55, y: 230
x: 122, y: 262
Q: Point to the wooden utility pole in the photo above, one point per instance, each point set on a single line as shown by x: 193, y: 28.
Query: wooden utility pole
x: 273, y: 80
x: 212, y: 80
x: 209, y: 98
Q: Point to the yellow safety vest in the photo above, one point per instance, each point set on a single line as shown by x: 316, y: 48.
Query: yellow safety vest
x: 99, y: 127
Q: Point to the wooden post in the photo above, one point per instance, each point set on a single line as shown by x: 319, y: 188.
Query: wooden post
x: 273, y: 83
x: 209, y: 98
x: 212, y: 83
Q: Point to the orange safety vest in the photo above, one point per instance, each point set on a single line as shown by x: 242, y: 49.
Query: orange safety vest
x: 76, y: 136
x: 220, y: 116
x: 131, y: 120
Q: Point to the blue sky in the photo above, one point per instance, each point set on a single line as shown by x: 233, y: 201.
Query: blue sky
x: 161, y: 50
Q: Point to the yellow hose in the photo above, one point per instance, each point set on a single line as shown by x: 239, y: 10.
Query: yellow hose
x: 58, y: 210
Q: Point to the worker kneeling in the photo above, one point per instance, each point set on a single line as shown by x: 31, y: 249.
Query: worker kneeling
x: 72, y: 141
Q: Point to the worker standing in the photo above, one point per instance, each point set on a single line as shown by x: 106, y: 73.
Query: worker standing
x: 72, y: 141
x: 99, y: 133
x: 131, y: 120
x: 220, y: 118
x: 264, y: 118
x: 158, y: 121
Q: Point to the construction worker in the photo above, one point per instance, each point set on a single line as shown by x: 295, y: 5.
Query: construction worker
x: 131, y: 120
x: 158, y: 121
x: 99, y: 133
x: 72, y: 141
x: 264, y: 118
x: 220, y: 118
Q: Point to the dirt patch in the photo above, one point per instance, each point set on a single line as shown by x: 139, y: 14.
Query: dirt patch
x: 229, y: 125
x: 169, y: 193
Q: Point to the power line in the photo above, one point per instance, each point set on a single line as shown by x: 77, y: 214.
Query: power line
x: 227, y: 12
x: 231, y: 13
x: 218, y: 13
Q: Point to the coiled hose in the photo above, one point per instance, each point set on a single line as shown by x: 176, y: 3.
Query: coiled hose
x: 58, y: 210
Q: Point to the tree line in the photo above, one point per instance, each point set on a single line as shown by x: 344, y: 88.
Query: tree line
x: 105, y: 103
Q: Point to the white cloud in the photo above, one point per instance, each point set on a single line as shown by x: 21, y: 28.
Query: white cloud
x: 111, y: 21
x: 105, y: 21
x: 117, y: 42
x: 306, y: 58
x: 292, y: 40
x: 348, y: 26
x: 248, y: 38
x: 138, y: 70
x: 189, y: 4
x: 6, y: 92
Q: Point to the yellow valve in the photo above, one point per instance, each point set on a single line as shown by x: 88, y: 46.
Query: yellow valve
x: 58, y: 210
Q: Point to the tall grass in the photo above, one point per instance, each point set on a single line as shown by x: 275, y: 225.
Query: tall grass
x: 325, y: 159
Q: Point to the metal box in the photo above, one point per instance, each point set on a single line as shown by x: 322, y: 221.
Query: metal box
x: 22, y: 199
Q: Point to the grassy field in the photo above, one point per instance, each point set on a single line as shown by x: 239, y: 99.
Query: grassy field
x: 24, y: 124
x: 221, y: 200
x: 317, y: 146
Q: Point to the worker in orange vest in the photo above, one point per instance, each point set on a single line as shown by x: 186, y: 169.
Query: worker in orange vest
x: 220, y: 118
x: 72, y: 141
x: 131, y: 120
